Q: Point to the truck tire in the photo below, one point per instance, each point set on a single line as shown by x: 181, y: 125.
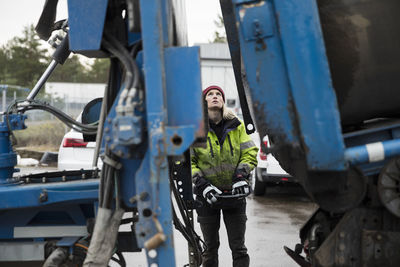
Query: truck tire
x: 259, y: 186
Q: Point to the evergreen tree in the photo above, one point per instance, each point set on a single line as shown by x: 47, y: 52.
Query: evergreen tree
x: 71, y: 71
x: 99, y: 70
x: 24, y: 59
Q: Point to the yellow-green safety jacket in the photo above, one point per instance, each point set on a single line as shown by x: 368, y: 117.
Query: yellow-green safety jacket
x: 218, y: 162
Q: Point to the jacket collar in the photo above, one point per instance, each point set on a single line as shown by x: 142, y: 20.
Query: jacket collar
x: 228, y: 114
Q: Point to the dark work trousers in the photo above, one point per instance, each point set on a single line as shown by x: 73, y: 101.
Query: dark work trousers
x: 234, y: 215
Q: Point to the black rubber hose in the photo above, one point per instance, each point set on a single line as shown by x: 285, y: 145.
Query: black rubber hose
x: 70, y: 122
x: 132, y: 63
x: 63, y: 115
x: 193, y: 238
x: 135, y: 49
x: 87, y: 129
x: 180, y: 227
x: 181, y: 205
x: 101, y: 185
x: 125, y: 61
x: 108, y: 188
x: 121, y: 259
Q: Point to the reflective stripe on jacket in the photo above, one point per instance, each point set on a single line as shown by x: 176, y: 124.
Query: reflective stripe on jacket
x: 218, y: 162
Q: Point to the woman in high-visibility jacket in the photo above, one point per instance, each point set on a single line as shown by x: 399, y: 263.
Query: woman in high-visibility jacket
x: 223, y: 168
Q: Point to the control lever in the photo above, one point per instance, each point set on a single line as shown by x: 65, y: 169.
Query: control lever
x: 226, y: 196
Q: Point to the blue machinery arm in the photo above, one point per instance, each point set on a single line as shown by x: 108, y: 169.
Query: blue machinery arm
x: 346, y: 162
x: 306, y: 65
x: 171, y: 89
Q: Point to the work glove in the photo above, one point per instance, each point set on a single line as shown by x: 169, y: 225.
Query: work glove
x: 210, y: 194
x: 240, y: 188
x: 240, y: 185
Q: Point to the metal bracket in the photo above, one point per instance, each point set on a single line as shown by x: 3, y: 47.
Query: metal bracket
x: 256, y: 20
x: 128, y: 130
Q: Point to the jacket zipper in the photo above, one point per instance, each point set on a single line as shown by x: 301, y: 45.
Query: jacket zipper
x: 211, y: 148
x: 230, y: 144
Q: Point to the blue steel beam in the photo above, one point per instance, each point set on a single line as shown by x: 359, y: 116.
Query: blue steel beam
x: 371, y: 147
x: 311, y: 84
x: 266, y: 72
x: 86, y: 21
x: 288, y: 74
x: 64, y: 215
x: 155, y: 36
x: 373, y: 152
x: 34, y: 195
x: 184, y: 98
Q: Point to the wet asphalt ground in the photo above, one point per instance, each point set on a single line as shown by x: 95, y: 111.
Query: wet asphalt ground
x: 274, y: 220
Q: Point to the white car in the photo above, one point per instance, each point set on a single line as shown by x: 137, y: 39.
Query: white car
x: 74, y: 153
x: 268, y: 170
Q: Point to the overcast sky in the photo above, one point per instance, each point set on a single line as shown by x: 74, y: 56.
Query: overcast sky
x: 16, y: 14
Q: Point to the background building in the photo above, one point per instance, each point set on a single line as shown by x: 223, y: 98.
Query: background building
x: 74, y: 96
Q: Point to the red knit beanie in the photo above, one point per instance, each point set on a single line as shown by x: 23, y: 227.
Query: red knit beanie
x: 214, y: 87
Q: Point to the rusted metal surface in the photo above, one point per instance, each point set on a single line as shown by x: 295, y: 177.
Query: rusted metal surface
x: 380, y: 248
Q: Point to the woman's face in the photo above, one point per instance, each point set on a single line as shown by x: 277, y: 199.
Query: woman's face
x: 214, y: 99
